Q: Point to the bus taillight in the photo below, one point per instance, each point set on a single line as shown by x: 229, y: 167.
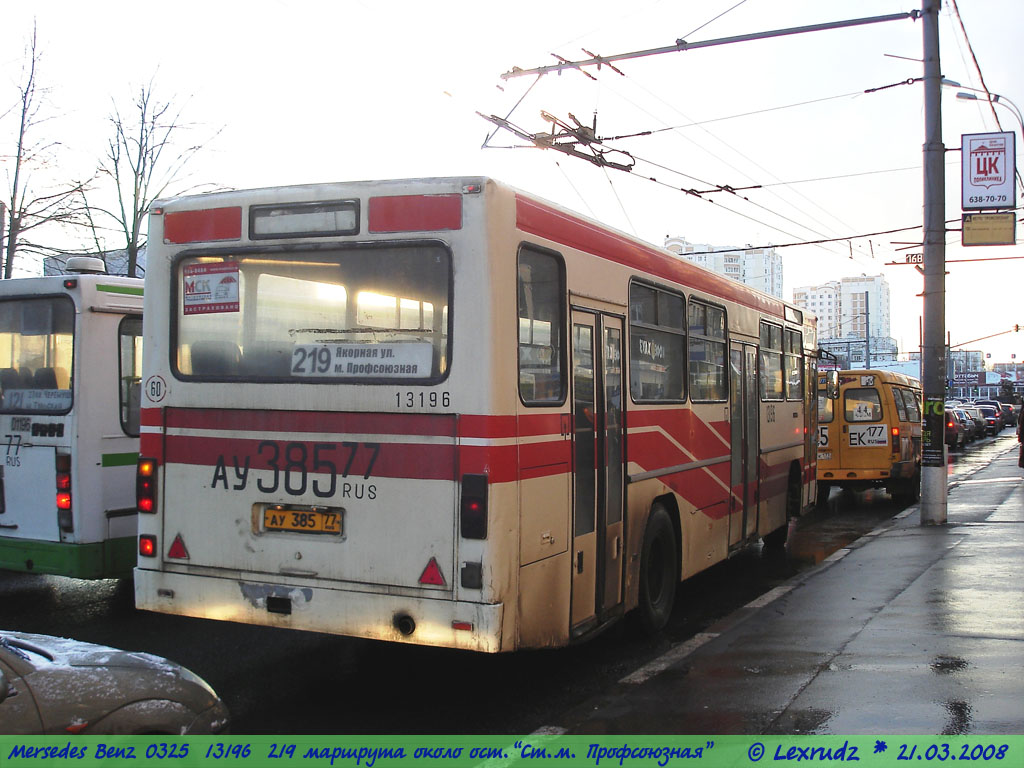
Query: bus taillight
x: 145, y: 485
x: 63, y: 499
x: 147, y: 545
x: 473, y: 515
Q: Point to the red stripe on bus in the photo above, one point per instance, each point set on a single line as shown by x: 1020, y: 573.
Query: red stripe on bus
x: 151, y: 417
x: 394, y: 460
x: 152, y: 446
x: 202, y: 226
x: 479, y: 426
x: 498, y: 462
x: 702, y: 440
x: 561, y: 227
x: 539, y: 424
x: 311, y: 421
x: 548, y: 470
x: 415, y: 213
x: 237, y: 456
x: 547, y: 452
x: 706, y: 489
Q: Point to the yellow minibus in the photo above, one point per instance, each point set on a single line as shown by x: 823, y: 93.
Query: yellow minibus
x: 869, y: 433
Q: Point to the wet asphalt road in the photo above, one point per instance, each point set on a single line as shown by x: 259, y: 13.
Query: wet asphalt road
x: 284, y: 682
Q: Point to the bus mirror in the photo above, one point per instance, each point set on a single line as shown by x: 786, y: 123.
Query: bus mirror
x: 832, y: 384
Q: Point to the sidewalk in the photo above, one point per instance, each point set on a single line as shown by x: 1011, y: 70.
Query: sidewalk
x: 911, y: 630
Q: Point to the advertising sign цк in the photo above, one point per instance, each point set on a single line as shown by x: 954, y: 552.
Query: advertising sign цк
x: 987, y: 162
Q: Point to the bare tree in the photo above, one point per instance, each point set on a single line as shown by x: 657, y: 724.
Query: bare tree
x: 142, y: 162
x: 29, y: 204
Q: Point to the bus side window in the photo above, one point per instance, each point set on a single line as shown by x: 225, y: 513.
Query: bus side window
x: 912, y: 404
x: 129, y: 355
x: 541, y: 328
x: 657, y: 347
x: 901, y: 410
x: 771, y: 372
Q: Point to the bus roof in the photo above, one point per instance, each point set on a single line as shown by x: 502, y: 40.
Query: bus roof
x: 534, y: 215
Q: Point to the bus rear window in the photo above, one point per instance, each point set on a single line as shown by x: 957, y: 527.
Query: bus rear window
x: 366, y: 314
x: 862, y: 405
x: 36, y: 353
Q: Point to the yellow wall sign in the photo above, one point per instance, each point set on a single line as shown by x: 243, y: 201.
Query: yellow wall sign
x: 988, y: 229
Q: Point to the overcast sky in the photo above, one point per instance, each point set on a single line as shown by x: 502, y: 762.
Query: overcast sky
x: 306, y: 92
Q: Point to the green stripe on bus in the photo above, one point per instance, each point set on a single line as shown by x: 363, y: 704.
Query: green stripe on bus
x: 129, y: 289
x: 120, y: 459
x: 113, y: 558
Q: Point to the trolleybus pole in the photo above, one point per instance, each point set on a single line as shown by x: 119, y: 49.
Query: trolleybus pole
x: 933, y: 367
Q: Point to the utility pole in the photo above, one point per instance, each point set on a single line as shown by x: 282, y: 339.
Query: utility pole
x: 933, y: 365
x: 867, y: 330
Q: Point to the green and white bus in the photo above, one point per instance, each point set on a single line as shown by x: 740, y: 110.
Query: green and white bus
x: 70, y: 362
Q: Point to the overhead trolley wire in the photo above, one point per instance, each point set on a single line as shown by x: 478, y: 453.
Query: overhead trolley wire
x: 597, y: 151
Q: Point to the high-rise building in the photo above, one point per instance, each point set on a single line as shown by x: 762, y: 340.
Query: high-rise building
x: 864, y: 301
x: 853, y: 317
x: 822, y: 301
x: 760, y: 268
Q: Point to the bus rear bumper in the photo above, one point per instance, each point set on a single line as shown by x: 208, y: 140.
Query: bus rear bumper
x: 839, y: 475
x: 110, y: 559
x: 423, y: 619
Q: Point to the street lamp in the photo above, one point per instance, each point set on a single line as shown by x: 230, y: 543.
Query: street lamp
x: 995, y: 99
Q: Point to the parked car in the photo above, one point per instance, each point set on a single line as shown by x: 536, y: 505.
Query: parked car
x: 1009, y: 415
x: 53, y: 685
x: 980, y: 425
x: 956, y: 438
x: 970, y: 428
x: 997, y: 406
x: 993, y: 419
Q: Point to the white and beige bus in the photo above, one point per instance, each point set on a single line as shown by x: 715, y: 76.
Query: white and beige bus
x: 443, y: 411
x: 70, y: 367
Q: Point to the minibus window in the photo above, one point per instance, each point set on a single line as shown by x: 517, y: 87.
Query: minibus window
x: 861, y: 405
x: 901, y: 409
x: 910, y: 400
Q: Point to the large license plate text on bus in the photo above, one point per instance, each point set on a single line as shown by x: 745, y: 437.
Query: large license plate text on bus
x: 291, y: 464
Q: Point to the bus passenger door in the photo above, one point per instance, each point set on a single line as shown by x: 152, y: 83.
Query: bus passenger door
x: 752, y: 457
x: 598, y: 469
x: 744, y: 442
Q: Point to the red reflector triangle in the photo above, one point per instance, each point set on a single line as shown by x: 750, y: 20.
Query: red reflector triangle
x: 432, y: 574
x: 178, y: 550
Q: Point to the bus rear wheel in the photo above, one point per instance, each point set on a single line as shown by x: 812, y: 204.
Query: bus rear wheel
x: 909, y: 491
x: 659, y: 572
